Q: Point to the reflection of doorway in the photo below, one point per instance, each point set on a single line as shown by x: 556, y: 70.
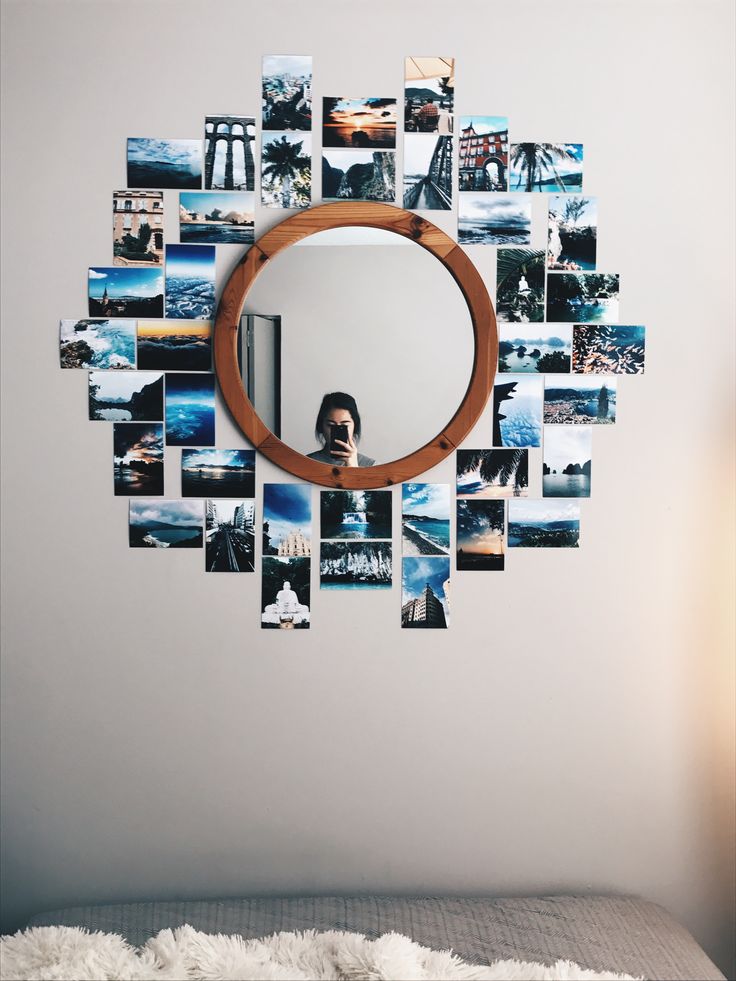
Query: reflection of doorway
x: 259, y: 356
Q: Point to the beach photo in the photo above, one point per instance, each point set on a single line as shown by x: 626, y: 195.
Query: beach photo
x: 179, y: 345
x: 480, y: 527
x: 130, y: 291
x: 582, y: 298
x: 359, y: 175
x: 126, y: 396
x: 484, y: 153
x: 359, y: 124
x: 229, y: 536
x: 97, y: 344
x: 517, y: 411
x: 492, y: 474
x: 355, y: 565
x: 355, y: 514
x: 138, y: 228
x: 572, y: 232
x: 286, y: 171
x: 228, y: 153
x: 190, y: 410
x: 546, y: 167
x: 164, y: 163
x: 165, y: 524
x: 577, y: 399
x: 285, y: 593
x: 218, y: 217
x: 567, y: 461
x: 218, y: 473
x: 425, y: 519
x: 429, y: 94
x: 536, y: 350
x: 493, y: 219
x: 604, y: 349
x: 427, y: 172
x: 190, y: 282
x: 138, y: 458
x: 287, y: 92
x: 520, y: 286
x: 425, y: 587
x: 287, y: 519
x: 544, y: 524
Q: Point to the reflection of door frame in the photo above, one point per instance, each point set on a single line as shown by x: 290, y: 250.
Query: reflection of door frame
x: 248, y: 341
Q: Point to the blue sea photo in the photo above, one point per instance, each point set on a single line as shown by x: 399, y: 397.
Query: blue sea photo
x: 566, y: 470
x: 154, y: 523
x: 543, y: 524
x: 164, y: 163
x: 485, y: 218
x: 97, y: 343
x: 546, y: 167
x: 220, y: 217
x: 425, y: 519
x: 190, y: 282
x: 190, y: 409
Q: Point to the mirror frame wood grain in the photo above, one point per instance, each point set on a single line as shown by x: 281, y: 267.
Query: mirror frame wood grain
x: 369, y: 215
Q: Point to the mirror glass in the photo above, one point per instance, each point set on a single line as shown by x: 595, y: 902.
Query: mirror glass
x: 364, y: 312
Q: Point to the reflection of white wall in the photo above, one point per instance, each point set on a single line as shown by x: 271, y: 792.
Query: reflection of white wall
x: 387, y: 325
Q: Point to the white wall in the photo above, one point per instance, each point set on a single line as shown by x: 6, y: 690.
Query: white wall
x: 573, y: 730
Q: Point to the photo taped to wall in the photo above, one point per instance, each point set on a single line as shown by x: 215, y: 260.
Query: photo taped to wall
x: 480, y: 528
x: 492, y: 474
x: 138, y: 458
x: 218, y: 473
x: 154, y: 523
x: 425, y: 588
x: 425, y: 519
x: 229, y: 536
x: 126, y: 396
x: 429, y: 94
x: 97, y: 344
x: 287, y: 93
x: 285, y: 592
x: 138, y: 228
x: 228, y: 153
x: 164, y: 163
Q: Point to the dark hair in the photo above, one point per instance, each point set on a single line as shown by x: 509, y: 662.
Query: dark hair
x: 337, y: 400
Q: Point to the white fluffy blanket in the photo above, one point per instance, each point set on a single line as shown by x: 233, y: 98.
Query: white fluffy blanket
x: 74, y: 954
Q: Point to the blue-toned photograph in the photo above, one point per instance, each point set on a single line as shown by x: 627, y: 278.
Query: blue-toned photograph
x: 543, y: 524
x: 166, y: 524
x: 546, y: 167
x: 572, y: 233
x: 164, y: 163
x: 355, y: 565
x: 125, y: 291
x: 486, y: 218
x: 608, y: 350
x: 126, y: 396
x: 492, y: 474
x: 567, y: 463
x: 424, y: 592
x: 355, y: 514
x: 480, y: 527
x: 427, y: 172
x: 218, y: 473
x: 425, y: 519
x: 287, y: 92
x: 536, y: 349
x: 138, y: 458
x: 582, y: 298
x: 190, y: 282
x: 517, y: 411
x: 97, y: 344
x: 219, y: 217
x: 190, y: 410
x: 578, y: 399
x: 287, y: 519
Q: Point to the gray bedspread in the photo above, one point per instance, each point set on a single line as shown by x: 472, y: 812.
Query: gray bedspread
x: 621, y: 934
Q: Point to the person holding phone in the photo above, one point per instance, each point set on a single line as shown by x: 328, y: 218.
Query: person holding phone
x: 338, y: 429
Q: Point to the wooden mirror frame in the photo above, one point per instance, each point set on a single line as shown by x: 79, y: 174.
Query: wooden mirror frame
x: 370, y: 215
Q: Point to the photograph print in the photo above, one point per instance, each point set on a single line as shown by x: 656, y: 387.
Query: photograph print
x: 138, y: 228
x: 165, y: 524
x: 217, y: 217
x: 228, y: 153
x: 429, y: 95
x: 480, y: 528
x: 229, y: 536
x: 359, y: 124
x: 546, y: 167
x: 287, y: 520
x: 359, y: 175
x: 125, y: 291
x: 218, y: 473
x: 178, y: 345
x: 355, y: 565
x: 604, y: 349
x: 425, y: 592
x: 544, y: 524
x: 126, y: 396
x: 427, y: 172
x: 493, y: 219
x: 286, y: 171
x: 582, y: 298
x: 517, y: 411
x: 97, y: 344
x: 190, y: 409
x: 492, y: 474
x: 287, y: 93
x: 580, y: 399
x: 572, y: 232
x: 425, y: 519
x: 520, y: 286
x: 138, y: 458
x: 164, y: 163
x: 355, y: 514
x: 567, y: 461
x: 536, y: 350
x: 190, y: 282
x: 285, y: 592
x: 484, y: 153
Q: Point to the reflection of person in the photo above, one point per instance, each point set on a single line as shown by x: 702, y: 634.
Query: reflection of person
x: 339, y: 409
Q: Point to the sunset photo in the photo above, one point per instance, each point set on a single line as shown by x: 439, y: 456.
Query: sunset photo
x: 359, y: 123
x: 179, y: 345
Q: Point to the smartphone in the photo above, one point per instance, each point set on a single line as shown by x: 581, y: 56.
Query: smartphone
x: 338, y: 432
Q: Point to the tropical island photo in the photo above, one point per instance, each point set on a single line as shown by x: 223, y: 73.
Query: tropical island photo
x: 286, y: 171
x: 535, y: 350
x: 492, y: 473
x: 566, y: 469
x: 359, y: 175
x: 425, y: 519
x: 546, y: 167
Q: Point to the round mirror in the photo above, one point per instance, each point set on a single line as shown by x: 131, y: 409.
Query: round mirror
x: 371, y: 303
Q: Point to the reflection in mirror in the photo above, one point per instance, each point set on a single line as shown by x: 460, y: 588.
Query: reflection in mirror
x: 366, y: 313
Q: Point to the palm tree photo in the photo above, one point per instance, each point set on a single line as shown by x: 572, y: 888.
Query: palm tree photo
x: 536, y: 162
x: 288, y: 171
